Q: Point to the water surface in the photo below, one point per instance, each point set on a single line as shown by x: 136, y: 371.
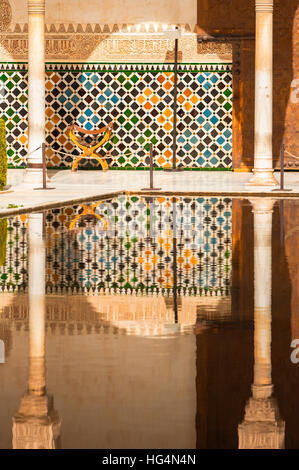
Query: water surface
x: 150, y: 323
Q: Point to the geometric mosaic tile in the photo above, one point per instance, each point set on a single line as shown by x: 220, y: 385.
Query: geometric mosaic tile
x: 13, y: 108
x: 138, y: 98
x: 14, y: 268
x: 130, y: 248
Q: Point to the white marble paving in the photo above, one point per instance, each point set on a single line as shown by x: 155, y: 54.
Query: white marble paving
x: 69, y: 186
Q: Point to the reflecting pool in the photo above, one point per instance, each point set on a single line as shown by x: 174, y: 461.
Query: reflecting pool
x: 150, y: 322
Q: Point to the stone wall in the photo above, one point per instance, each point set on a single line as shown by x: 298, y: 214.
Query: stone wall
x: 234, y: 18
x: 130, y: 40
x: 134, y: 33
x: 107, y: 31
x: 111, y: 11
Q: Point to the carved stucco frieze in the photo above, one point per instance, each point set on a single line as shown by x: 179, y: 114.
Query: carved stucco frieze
x: 111, y: 46
x: 5, y: 15
x: 215, y: 48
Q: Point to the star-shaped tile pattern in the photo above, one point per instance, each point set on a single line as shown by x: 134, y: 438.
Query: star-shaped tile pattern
x: 139, y: 99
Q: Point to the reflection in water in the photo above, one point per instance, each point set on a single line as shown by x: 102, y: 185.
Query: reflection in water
x: 36, y: 425
x: 149, y: 329
x: 262, y: 427
x: 116, y: 253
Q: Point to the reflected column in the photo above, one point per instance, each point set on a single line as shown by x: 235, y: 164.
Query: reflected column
x: 36, y: 425
x: 262, y: 426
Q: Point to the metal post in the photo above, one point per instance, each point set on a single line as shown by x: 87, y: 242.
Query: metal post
x: 282, y: 167
x: 175, y: 105
x: 281, y: 213
x: 151, y: 188
x: 44, y: 169
x: 44, y: 225
x: 282, y: 188
x: 44, y: 166
x: 151, y: 167
x: 175, y: 279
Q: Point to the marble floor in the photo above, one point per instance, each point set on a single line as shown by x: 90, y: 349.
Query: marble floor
x: 71, y: 187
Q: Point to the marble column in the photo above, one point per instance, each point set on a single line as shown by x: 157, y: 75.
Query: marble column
x: 36, y: 91
x: 262, y: 427
x: 36, y: 425
x: 263, y: 159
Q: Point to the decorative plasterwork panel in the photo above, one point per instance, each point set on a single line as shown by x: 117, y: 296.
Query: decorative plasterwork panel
x: 5, y: 15
x: 112, y: 43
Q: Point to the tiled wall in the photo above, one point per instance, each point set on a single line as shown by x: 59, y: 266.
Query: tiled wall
x: 138, y: 98
x: 129, y: 248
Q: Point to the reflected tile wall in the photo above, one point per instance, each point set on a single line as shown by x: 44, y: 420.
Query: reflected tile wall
x: 126, y: 245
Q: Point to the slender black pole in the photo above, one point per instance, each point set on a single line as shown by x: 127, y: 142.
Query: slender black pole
x: 175, y: 105
x: 151, y: 167
x: 281, y: 213
x: 44, y: 166
x: 281, y: 188
x: 151, y: 156
x: 282, y: 167
x: 175, y: 278
x: 44, y: 225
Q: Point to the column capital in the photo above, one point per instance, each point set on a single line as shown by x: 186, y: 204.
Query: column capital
x: 36, y: 6
x: 262, y: 205
x: 264, y: 5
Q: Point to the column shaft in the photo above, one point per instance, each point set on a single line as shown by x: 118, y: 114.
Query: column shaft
x: 36, y: 90
x: 263, y: 159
